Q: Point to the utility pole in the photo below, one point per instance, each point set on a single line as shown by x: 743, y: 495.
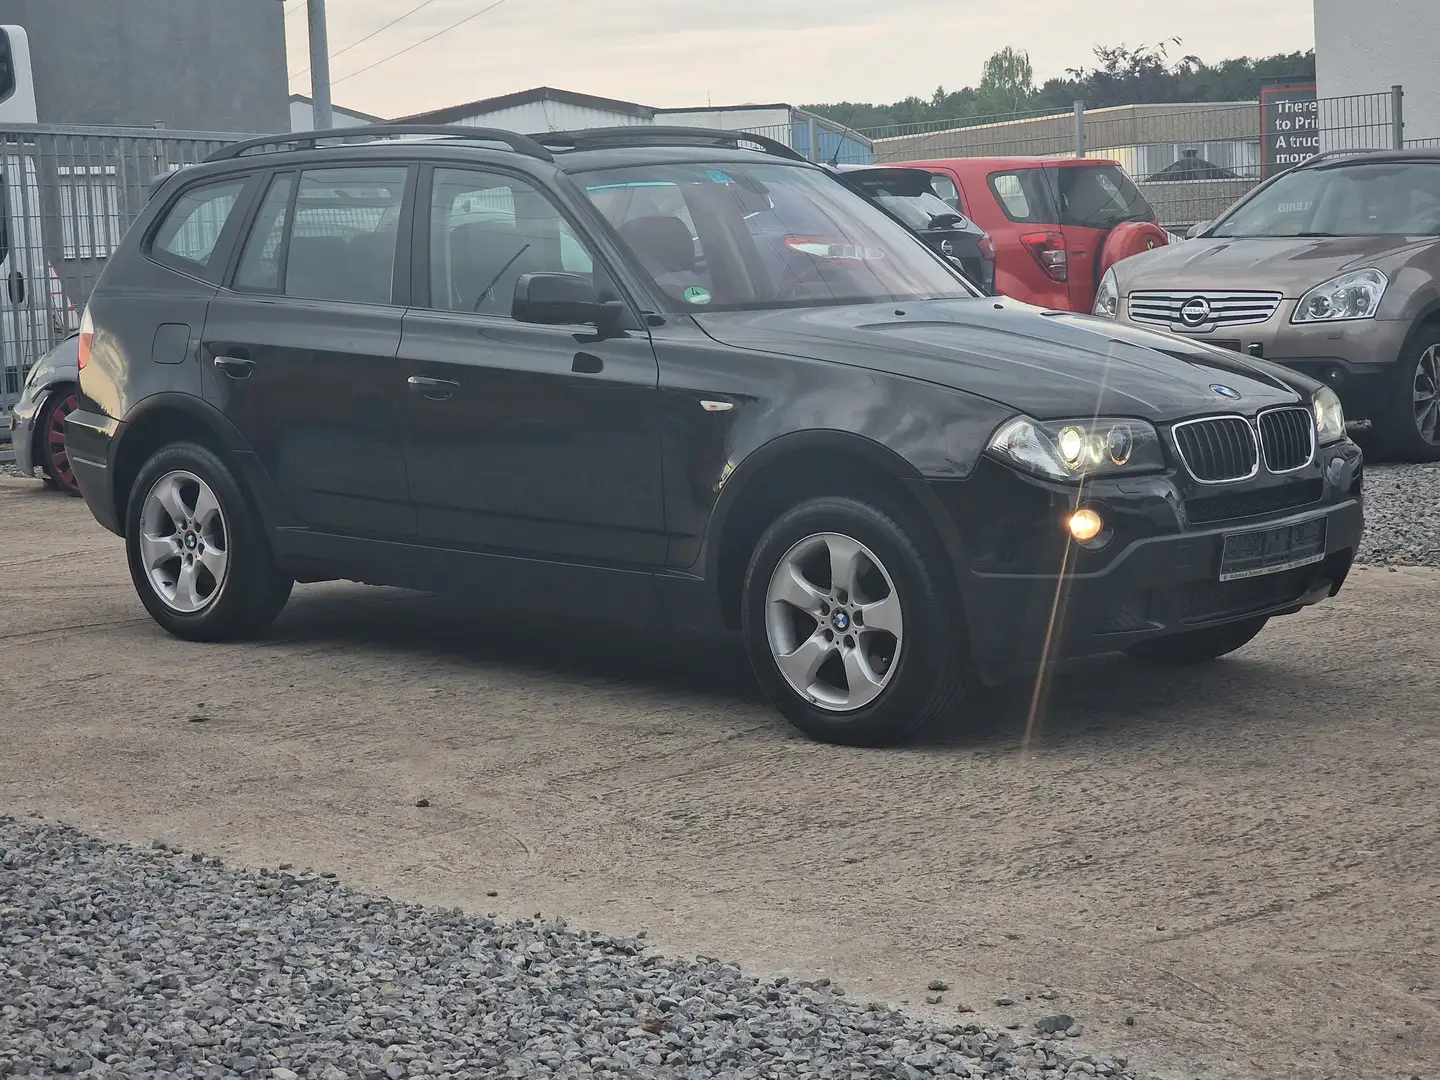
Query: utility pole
x: 320, y: 66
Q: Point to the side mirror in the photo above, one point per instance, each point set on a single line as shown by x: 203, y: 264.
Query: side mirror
x: 557, y: 300
x: 1195, y: 230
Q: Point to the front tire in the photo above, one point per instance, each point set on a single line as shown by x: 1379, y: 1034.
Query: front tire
x: 853, y: 624
x: 197, y: 550
x: 1198, y: 646
x: 1409, y: 430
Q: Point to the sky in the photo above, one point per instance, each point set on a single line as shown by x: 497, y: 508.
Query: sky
x: 675, y: 53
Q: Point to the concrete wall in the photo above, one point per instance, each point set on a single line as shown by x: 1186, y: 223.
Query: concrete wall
x: 1367, y: 46
x: 197, y: 65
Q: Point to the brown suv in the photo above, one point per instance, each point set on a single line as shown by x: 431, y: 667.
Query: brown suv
x: 1330, y: 268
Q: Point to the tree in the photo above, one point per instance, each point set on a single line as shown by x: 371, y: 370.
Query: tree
x: 1007, y: 80
x: 1122, y: 75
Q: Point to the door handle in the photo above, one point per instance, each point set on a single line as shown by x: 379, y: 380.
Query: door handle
x: 237, y: 367
x: 434, y: 389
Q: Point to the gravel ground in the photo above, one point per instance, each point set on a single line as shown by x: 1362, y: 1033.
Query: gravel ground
x: 154, y: 963
x: 1402, y: 515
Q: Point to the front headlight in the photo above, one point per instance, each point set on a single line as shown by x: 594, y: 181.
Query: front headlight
x: 1355, y: 295
x: 1329, y: 416
x: 1107, y: 297
x: 1076, y: 449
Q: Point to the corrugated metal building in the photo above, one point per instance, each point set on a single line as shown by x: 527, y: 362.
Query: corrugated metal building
x: 302, y: 115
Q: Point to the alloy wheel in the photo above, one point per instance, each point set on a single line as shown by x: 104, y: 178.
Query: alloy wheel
x: 834, y: 622
x: 57, y: 458
x: 1427, y: 395
x: 184, y: 542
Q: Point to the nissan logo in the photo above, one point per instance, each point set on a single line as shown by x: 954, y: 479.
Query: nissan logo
x: 1196, y: 312
x: 947, y: 248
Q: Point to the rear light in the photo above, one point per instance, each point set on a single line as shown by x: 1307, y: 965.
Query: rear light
x: 987, y: 248
x: 87, y: 336
x: 1048, y: 249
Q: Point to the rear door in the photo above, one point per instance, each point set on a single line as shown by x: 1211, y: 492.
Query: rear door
x: 300, y: 348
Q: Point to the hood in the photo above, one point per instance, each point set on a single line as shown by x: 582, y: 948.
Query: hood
x: 1292, y: 265
x: 1050, y: 365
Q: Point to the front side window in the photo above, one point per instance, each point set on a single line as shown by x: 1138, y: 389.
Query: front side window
x: 192, y: 227
x: 338, y: 235
x: 1379, y: 199
x: 486, y: 231
x: 760, y: 235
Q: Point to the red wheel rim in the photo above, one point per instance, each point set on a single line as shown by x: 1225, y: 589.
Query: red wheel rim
x: 56, y: 457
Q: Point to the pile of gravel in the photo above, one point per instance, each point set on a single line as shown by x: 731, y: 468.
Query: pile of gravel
x: 127, y: 963
x: 1402, y: 515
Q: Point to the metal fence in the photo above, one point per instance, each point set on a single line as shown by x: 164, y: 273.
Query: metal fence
x: 67, y: 196
x: 1192, y: 161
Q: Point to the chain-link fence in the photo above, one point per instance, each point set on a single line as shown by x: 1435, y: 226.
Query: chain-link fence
x: 67, y: 196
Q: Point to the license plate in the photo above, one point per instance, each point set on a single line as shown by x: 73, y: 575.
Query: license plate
x: 1269, y: 551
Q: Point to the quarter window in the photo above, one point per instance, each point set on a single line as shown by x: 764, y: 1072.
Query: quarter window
x: 194, y: 224
x: 486, y: 231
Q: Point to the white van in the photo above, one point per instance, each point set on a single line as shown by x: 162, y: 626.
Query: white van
x: 32, y: 302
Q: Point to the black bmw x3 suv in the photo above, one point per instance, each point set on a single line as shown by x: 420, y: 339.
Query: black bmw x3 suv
x: 679, y: 377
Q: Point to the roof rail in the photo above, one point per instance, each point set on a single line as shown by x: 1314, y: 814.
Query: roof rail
x: 660, y: 135
x: 521, y: 144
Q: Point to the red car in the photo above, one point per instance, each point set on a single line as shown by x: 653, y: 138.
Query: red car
x: 1058, y: 224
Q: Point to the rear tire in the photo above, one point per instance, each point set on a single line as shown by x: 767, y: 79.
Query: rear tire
x: 1198, y: 646
x: 853, y: 624
x: 1409, y: 428
x: 197, y: 550
x: 50, y: 439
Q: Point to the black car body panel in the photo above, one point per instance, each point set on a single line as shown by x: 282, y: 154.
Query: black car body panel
x: 602, y: 470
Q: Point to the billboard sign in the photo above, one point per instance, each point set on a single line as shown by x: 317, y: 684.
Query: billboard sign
x: 1290, y: 126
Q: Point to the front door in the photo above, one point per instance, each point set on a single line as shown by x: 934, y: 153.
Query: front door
x: 300, y: 351
x: 538, y: 441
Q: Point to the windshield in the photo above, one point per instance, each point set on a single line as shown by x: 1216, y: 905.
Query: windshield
x: 761, y: 235
x: 1382, y: 199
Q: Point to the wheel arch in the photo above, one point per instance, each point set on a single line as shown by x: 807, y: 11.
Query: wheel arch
x: 792, y: 467
x: 165, y: 418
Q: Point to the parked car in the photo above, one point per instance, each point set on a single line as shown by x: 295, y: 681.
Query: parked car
x: 880, y: 478
x: 1332, y: 269
x: 1057, y: 224
x: 909, y: 195
x: 37, y: 419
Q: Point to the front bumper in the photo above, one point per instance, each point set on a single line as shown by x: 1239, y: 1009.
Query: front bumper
x: 24, y: 415
x: 1356, y: 359
x: 1031, y: 596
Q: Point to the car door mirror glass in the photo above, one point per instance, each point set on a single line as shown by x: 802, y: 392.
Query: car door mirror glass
x: 556, y: 299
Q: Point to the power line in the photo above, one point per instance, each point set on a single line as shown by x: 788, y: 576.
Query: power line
x: 423, y: 41
x: 367, y: 37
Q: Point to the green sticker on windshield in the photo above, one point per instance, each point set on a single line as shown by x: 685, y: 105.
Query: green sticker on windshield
x: 696, y: 295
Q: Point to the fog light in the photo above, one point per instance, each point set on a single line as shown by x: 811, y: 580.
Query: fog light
x: 1085, y: 525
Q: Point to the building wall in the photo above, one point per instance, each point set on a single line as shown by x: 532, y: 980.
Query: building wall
x: 302, y: 117
x: 197, y: 65
x: 774, y: 123
x: 1367, y: 46
x: 540, y: 116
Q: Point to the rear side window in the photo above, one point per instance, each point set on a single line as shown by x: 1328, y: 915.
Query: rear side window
x: 1099, y: 197
x: 331, y: 234
x: 192, y: 227
x: 1023, y: 196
